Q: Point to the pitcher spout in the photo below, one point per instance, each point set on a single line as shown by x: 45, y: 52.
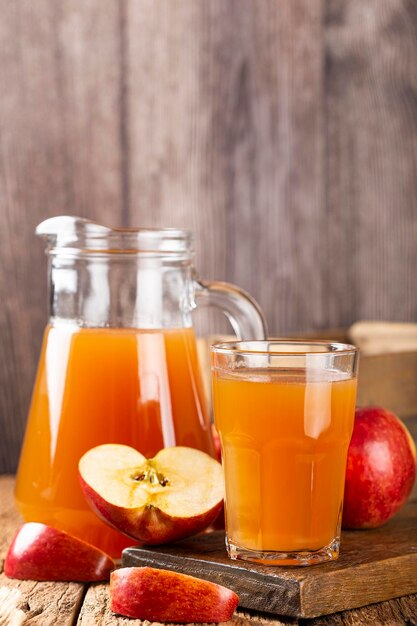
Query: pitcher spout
x: 64, y: 229
x: 67, y: 231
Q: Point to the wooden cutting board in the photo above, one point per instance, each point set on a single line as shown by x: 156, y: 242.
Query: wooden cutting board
x: 374, y: 565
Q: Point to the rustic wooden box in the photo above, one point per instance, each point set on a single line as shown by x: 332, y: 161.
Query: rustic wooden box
x: 388, y: 380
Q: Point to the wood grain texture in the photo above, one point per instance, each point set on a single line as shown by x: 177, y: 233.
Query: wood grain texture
x: 283, y: 133
x: 371, y: 166
x: 400, y: 612
x: 44, y: 604
x: 95, y: 611
x: 60, y: 153
x: 387, y: 556
x: 36, y: 603
x: 243, y: 163
x: 9, y: 517
x: 390, y: 381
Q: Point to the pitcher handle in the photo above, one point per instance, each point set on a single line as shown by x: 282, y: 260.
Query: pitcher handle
x: 242, y: 311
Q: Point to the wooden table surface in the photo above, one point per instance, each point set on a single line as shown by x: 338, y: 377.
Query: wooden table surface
x: 75, y: 604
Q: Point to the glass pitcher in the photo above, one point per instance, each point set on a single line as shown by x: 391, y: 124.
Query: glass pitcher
x: 118, y: 362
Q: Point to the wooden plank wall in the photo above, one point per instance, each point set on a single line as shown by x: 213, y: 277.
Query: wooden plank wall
x: 283, y: 133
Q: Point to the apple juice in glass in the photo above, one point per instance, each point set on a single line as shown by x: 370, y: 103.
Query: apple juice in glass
x: 118, y: 362
x: 284, y: 411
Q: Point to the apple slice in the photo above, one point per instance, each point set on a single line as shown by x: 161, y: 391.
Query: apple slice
x: 163, y: 596
x: 40, y: 552
x: 176, y: 494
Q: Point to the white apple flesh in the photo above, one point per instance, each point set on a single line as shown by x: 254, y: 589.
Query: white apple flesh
x: 176, y: 494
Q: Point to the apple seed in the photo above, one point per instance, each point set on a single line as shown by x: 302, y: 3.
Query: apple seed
x: 151, y: 475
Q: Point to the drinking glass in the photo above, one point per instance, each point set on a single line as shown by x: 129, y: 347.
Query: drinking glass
x: 284, y: 411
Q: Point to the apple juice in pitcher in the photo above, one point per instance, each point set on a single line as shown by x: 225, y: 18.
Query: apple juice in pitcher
x: 118, y: 362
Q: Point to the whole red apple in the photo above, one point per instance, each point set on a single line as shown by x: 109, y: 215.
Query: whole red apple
x: 381, y: 468
x: 163, y: 596
x: 176, y: 494
x: 40, y: 552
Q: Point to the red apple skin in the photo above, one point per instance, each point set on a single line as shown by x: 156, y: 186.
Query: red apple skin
x: 40, y: 552
x: 163, y: 596
x: 149, y: 526
x: 219, y: 522
x: 381, y: 469
x: 216, y: 442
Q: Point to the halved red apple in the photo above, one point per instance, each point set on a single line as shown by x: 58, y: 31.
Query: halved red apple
x: 176, y: 494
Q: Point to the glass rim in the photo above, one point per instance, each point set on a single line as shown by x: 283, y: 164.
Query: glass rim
x: 241, y: 347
